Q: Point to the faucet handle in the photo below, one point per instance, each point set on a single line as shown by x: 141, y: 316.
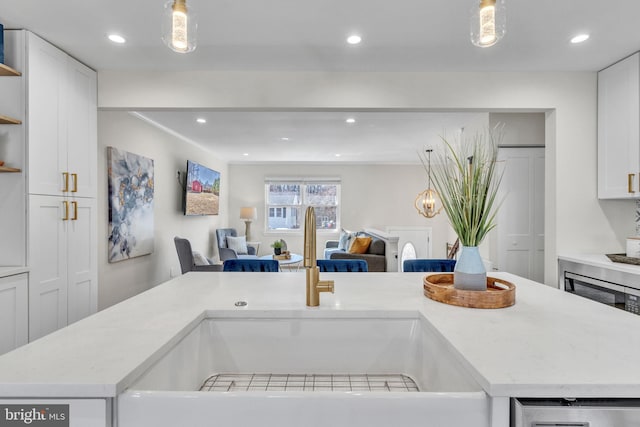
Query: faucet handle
x: 325, y: 286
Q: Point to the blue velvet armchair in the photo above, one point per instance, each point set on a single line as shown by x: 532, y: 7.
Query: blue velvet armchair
x: 224, y: 251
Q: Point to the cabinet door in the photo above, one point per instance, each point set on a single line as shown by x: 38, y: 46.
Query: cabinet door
x: 48, y: 264
x: 82, y: 259
x: 46, y: 70
x: 14, y: 312
x: 619, y: 130
x: 81, y: 129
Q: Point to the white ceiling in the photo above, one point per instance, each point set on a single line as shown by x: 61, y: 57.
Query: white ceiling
x: 403, y: 35
x: 400, y: 35
x: 375, y: 137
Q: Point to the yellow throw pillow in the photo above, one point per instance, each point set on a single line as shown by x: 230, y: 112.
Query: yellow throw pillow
x: 360, y: 245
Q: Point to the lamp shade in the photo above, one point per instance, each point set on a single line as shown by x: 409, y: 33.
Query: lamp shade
x: 248, y: 213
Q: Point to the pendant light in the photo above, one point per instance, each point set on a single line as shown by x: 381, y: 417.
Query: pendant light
x: 488, y: 22
x: 179, y: 26
x: 426, y: 201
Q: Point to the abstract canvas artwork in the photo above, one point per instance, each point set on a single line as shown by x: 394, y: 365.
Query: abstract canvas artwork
x: 130, y: 205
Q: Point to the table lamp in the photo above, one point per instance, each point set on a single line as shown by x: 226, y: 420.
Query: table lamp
x: 248, y: 214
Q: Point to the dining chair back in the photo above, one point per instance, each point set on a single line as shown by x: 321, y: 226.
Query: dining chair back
x: 253, y: 265
x: 343, y: 265
x: 429, y: 265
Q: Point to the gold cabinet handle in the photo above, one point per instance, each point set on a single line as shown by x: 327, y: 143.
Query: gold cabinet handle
x: 75, y: 182
x: 630, y: 182
x: 75, y: 211
x: 66, y: 211
x: 65, y: 175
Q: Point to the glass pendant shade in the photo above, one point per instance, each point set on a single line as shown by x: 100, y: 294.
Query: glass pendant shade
x: 179, y: 26
x: 488, y: 22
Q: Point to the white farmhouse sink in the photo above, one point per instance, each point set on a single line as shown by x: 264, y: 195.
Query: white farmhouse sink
x: 307, y: 343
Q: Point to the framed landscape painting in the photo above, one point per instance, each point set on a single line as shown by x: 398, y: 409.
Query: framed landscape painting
x: 131, y: 185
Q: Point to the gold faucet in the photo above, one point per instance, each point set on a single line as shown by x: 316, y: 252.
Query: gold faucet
x: 314, y: 284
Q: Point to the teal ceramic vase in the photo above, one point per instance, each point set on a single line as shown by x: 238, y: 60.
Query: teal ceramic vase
x: 470, y: 273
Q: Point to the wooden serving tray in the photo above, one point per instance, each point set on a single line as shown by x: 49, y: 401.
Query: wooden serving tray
x: 499, y: 293
x: 623, y: 258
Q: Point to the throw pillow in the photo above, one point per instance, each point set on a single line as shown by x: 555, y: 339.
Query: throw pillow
x: 199, y: 259
x: 345, y: 239
x: 238, y: 244
x: 360, y: 245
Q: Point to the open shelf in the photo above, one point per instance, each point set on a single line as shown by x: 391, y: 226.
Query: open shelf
x: 8, y: 71
x: 4, y: 120
x: 4, y: 169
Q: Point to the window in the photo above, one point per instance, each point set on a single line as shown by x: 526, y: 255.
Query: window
x: 287, y: 200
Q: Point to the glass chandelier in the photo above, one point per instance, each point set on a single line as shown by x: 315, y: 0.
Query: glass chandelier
x: 488, y: 22
x: 179, y: 26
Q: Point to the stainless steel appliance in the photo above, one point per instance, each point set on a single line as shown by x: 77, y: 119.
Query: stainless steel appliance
x: 575, y: 412
x: 615, y: 288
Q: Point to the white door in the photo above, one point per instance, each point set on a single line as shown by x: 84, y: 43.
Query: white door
x: 14, y: 312
x: 82, y: 259
x: 419, y: 239
x: 81, y: 129
x: 619, y: 130
x: 47, y: 264
x: 46, y: 110
x: 520, y: 221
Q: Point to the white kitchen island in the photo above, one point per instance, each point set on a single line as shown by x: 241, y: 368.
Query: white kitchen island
x: 549, y: 344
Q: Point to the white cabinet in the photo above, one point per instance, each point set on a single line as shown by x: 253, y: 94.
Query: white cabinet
x: 63, y: 257
x: 60, y: 147
x: 13, y: 312
x: 619, y: 130
x: 62, y: 122
x: 62, y: 175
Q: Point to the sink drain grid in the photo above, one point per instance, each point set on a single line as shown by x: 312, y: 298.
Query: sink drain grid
x: 309, y: 382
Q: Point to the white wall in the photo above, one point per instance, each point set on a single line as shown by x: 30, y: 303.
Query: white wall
x: 575, y: 220
x: 124, y: 279
x: 520, y: 128
x: 373, y: 196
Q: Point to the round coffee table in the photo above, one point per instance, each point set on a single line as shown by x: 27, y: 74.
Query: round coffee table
x: 291, y: 263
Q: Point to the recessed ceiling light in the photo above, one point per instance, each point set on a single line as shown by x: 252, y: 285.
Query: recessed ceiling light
x: 201, y: 120
x: 354, y: 39
x: 350, y: 120
x: 245, y: 154
x: 117, y: 38
x: 284, y: 138
x: 338, y: 155
x: 579, y: 38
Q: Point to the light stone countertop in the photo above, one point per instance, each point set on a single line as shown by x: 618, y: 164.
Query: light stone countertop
x: 601, y: 260
x: 550, y: 343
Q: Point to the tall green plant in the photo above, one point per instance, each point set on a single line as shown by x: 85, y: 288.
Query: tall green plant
x: 467, y: 180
